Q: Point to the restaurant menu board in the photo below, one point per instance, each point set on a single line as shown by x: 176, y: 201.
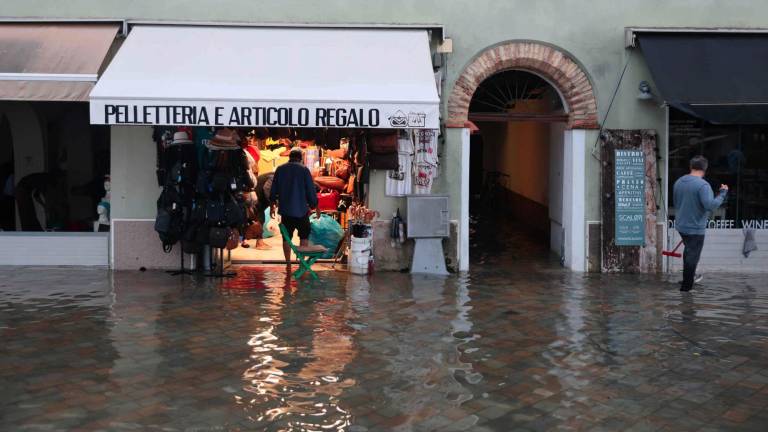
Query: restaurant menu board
x: 630, y: 197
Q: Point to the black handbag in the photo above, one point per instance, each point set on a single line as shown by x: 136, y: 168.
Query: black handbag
x: 383, y: 161
x: 218, y: 237
x: 234, y: 213
x: 223, y: 183
x: 215, y: 212
x: 189, y: 242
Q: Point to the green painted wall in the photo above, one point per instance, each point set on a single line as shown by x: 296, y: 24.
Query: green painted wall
x: 591, y: 31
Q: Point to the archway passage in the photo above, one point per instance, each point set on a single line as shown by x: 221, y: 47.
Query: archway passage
x: 516, y: 167
x: 553, y: 65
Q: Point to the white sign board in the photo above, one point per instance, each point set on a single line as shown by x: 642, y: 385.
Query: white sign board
x: 243, y: 114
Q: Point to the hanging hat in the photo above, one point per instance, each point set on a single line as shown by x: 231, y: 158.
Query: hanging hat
x: 226, y: 138
x: 181, y: 138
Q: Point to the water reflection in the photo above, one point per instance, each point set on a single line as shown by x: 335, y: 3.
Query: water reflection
x: 524, y: 343
x: 295, y: 373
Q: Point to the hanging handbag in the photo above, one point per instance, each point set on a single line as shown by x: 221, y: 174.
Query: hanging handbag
x: 234, y: 214
x: 234, y: 239
x: 342, y: 168
x: 254, y: 231
x: 338, y: 153
x: 222, y: 183
x: 328, y: 200
x: 350, y: 185
x: 218, y: 237
x: 189, y: 242
x: 214, y: 212
x: 383, y: 161
x: 329, y: 182
x: 382, y: 143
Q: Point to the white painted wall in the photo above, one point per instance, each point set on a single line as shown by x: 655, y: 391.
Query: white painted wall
x: 133, y: 164
x: 464, y: 218
x: 574, y: 199
x: 54, y: 249
x: 723, y: 252
x: 556, y: 152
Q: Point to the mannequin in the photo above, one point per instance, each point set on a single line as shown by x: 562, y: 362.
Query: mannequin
x: 102, y: 209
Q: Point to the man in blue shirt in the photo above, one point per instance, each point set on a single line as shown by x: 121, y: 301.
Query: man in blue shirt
x: 294, y: 191
x: 693, y: 199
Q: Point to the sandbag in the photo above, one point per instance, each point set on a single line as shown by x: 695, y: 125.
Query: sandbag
x: 326, y: 232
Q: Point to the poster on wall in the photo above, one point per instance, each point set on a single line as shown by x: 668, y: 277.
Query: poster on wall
x: 629, y: 190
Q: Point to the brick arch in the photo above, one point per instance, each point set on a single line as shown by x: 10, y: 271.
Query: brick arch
x: 550, y: 63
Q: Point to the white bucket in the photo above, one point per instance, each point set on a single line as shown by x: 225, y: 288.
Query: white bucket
x: 360, y: 244
x: 359, y: 254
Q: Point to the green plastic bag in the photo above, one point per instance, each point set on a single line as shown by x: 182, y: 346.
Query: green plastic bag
x: 327, y: 232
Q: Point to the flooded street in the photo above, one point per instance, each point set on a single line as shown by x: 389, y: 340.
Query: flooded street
x: 517, y: 344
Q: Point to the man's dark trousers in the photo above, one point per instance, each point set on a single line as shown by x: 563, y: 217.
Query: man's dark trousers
x: 691, y: 254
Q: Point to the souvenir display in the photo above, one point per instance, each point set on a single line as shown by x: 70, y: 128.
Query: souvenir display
x: 215, y: 186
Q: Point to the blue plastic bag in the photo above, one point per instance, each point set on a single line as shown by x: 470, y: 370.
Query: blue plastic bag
x: 327, y: 232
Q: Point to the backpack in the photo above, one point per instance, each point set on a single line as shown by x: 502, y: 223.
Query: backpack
x: 169, y: 222
x: 181, y: 164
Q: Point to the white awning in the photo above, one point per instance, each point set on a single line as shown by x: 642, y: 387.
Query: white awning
x: 280, y: 77
x: 52, y: 61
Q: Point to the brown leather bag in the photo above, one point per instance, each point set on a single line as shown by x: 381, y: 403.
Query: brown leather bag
x: 254, y: 231
x: 342, y: 169
x: 234, y: 239
x: 339, y: 153
x: 329, y: 182
x: 383, y: 144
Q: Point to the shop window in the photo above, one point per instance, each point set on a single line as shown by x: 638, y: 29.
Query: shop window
x: 738, y: 157
x: 53, y: 168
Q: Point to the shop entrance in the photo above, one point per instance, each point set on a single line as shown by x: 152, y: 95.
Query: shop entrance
x: 516, y: 163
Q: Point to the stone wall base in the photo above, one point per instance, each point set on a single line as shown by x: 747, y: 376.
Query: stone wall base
x: 398, y: 257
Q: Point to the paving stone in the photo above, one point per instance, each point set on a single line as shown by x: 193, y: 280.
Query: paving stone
x: 498, y: 349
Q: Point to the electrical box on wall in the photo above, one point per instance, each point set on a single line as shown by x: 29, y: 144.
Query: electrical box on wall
x: 427, y: 216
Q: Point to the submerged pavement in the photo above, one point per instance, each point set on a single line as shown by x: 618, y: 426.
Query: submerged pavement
x: 516, y: 344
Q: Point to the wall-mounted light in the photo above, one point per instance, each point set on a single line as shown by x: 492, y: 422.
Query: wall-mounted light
x: 645, y: 91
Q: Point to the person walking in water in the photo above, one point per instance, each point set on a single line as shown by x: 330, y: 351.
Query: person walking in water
x: 294, y: 192
x: 693, y: 200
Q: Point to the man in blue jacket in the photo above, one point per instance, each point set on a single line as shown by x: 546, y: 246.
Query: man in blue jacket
x: 294, y: 191
x: 693, y: 199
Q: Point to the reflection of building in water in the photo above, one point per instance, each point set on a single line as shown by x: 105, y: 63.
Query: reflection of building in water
x: 419, y: 352
x: 296, y: 363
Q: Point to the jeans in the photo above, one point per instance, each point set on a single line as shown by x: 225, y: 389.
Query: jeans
x: 691, y: 254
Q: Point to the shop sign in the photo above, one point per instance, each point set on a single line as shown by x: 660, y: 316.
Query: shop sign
x: 311, y: 115
x: 724, y: 224
x: 629, y: 167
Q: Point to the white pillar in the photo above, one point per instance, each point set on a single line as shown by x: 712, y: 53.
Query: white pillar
x: 574, y: 199
x: 464, y: 217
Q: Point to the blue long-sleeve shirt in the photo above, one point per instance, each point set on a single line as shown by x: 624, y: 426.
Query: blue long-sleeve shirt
x: 294, y: 190
x: 693, y: 199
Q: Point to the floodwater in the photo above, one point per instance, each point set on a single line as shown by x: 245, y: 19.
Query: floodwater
x: 516, y: 344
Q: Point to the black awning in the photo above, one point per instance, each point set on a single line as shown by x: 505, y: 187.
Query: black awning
x: 718, y: 77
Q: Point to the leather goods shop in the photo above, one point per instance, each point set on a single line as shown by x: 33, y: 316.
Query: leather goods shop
x: 200, y: 143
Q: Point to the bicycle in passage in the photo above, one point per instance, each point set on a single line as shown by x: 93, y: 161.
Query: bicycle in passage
x: 491, y: 193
